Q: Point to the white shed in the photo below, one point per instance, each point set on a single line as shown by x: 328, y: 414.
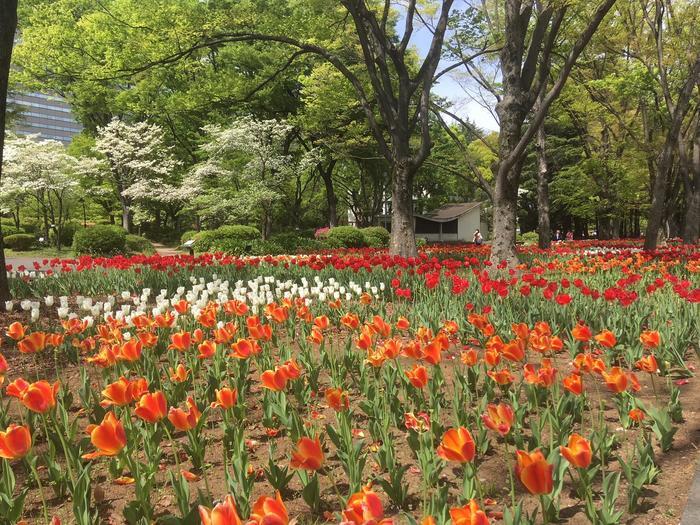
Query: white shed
x: 454, y: 222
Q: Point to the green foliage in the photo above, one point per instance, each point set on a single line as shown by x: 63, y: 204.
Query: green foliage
x: 100, y: 241
x: 346, y: 236
x: 20, y: 242
x: 530, y: 237
x: 188, y: 236
x: 376, y: 236
x: 138, y: 244
x: 216, y: 240
x: 68, y: 232
x: 294, y: 242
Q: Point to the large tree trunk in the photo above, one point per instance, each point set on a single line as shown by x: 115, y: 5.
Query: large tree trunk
x: 543, y: 226
x: 691, y: 228
x: 8, y: 26
x: 690, y: 166
x: 331, y: 198
x: 403, y: 237
x: 512, y: 113
x: 665, y: 163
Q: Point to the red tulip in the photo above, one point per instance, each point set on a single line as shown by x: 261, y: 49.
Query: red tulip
x: 337, y: 399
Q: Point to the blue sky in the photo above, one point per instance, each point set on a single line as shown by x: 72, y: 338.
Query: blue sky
x: 449, y: 88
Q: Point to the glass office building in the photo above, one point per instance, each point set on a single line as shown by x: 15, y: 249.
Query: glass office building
x: 46, y: 115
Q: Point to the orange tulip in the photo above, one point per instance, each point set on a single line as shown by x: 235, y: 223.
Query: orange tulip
x: 403, y: 324
x: 16, y: 331
x: 322, y: 322
x: 364, y: 507
x: 573, y: 383
x: 4, y: 367
x: 244, y: 348
x: 616, y: 380
x: 578, y: 452
x: 235, y: 307
x: 308, y: 454
x: 131, y: 350
x: 514, y: 350
x: 185, y: 420
x: 498, y: 418
x: 225, y: 513
x: 269, y: 511
x: 151, y: 407
x: 457, y: 445
x: 492, y: 357
x: 179, y: 374
x: 606, y: 338
x: 418, y: 376
x: 350, y: 320
x: 17, y: 388
x: 650, y: 338
x: 470, y: 514
x: 117, y: 393
x: 469, y: 357
x: 40, y: 397
x: 543, y: 377
x: 225, y: 398
x: 180, y: 341
x: 581, y: 332
x: 521, y: 330
x: 206, y: 349
x: 275, y: 380
x: 33, y: 343
x: 648, y: 364
x: 15, y: 442
x: 636, y: 415
x: 109, y: 437
x: 502, y: 377
x: 337, y: 399
x: 534, y: 472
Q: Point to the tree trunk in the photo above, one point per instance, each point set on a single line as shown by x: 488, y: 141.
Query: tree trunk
x: 8, y: 26
x: 665, y: 163
x: 512, y: 113
x: 691, y: 228
x: 543, y: 226
x: 331, y: 198
x: 403, y: 237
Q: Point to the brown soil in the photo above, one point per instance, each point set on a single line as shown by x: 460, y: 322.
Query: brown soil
x: 663, y: 503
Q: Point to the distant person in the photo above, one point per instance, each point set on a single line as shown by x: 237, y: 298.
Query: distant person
x: 478, y: 238
x: 557, y: 235
x: 569, y: 235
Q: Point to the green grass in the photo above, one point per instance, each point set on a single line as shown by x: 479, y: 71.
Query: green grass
x: 42, y: 253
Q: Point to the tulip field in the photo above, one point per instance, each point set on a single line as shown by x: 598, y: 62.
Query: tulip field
x: 352, y: 387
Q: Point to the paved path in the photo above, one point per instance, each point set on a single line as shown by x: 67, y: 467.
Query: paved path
x: 691, y: 515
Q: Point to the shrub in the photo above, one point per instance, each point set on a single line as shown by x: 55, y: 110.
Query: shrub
x: 376, y: 236
x: 100, y: 240
x: 531, y: 237
x: 322, y: 233
x: 8, y: 230
x: 293, y: 242
x: 68, y: 232
x: 247, y: 247
x: 347, y: 236
x: 20, y: 242
x: 206, y: 240
x: 188, y: 236
x: 421, y: 241
x: 138, y: 244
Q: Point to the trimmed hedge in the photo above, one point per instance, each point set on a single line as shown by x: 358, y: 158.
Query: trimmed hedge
x: 346, y: 236
x: 68, y: 232
x: 205, y: 241
x: 100, y: 240
x: 376, y: 236
x: 20, y: 242
x: 138, y: 244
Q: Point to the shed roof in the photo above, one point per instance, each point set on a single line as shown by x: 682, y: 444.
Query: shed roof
x: 450, y: 211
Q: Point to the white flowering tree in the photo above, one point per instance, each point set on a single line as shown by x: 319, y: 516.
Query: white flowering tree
x: 141, y: 165
x: 249, y: 163
x: 43, y: 172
